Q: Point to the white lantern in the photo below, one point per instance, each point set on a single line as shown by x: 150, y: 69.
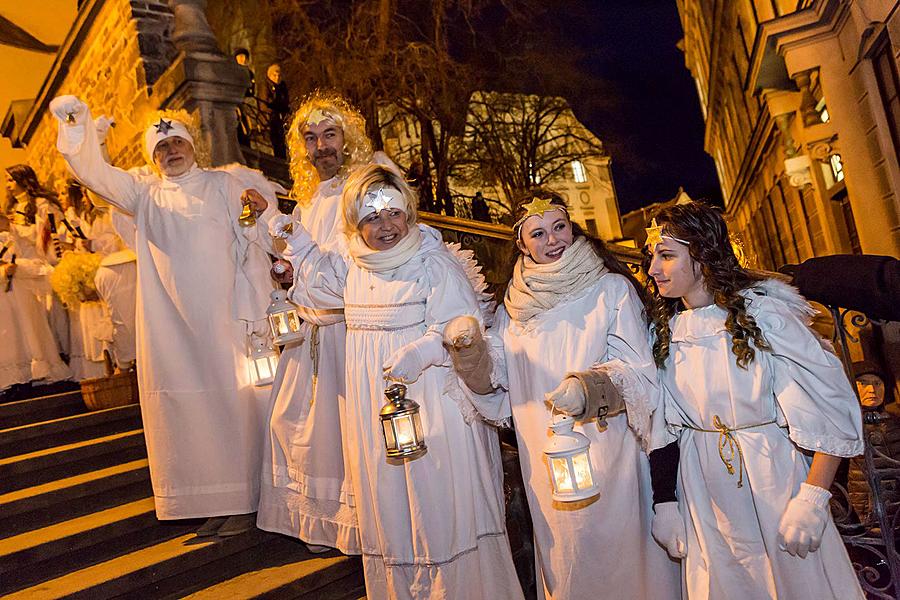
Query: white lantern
x: 283, y: 319
x: 569, y: 460
x: 263, y: 361
x: 401, y: 424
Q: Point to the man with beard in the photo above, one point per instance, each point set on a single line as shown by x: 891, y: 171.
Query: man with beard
x: 202, y: 289
x: 306, y: 492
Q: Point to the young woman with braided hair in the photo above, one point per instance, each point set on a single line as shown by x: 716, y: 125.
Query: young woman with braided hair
x: 750, y: 391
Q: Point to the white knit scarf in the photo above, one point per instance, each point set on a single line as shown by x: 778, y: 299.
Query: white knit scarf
x: 538, y: 287
x: 385, y: 260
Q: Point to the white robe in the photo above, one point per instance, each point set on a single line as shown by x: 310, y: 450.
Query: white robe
x: 202, y: 287
x: 28, y: 351
x: 432, y: 527
x: 732, y: 548
x: 305, y: 490
x: 601, y: 547
x: 116, y: 283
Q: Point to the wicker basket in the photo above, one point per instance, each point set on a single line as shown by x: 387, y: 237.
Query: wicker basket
x: 108, y: 392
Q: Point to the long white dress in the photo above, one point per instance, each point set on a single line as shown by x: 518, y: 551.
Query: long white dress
x: 432, y: 527
x: 203, y: 285
x: 29, y: 351
x: 732, y: 548
x: 598, y: 548
x: 305, y: 490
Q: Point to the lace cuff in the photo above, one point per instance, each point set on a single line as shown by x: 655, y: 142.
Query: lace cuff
x: 826, y: 443
x: 637, y: 406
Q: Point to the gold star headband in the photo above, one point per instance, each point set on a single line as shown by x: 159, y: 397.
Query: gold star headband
x: 318, y: 115
x: 537, y: 207
x: 655, y: 236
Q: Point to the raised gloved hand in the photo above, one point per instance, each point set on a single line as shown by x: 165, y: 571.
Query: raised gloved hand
x: 408, y: 362
x: 469, y: 353
x: 102, y: 125
x: 668, y: 529
x: 803, y: 522
x: 568, y: 397
x: 281, y: 226
x: 69, y: 110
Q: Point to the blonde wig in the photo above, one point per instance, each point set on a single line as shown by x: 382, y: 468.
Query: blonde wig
x: 190, y: 123
x: 357, y: 147
x: 364, y: 179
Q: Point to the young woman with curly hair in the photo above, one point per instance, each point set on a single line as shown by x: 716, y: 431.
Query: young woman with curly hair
x: 750, y: 392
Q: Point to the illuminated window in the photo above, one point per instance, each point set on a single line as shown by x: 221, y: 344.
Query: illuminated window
x: 578, y: 172
x: 823, y: 111
x: 837, y: 167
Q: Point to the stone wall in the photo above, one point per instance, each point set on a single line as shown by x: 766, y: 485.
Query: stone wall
x: 126, y: 48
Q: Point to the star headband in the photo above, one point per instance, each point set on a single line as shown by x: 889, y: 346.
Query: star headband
x: 379, y: 200
x: 318, y: 115
x: 537, y: 207
x: 163, y: 129
x: 655, y: 236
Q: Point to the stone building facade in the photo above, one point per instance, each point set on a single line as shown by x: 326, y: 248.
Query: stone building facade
x: 802, y: 107
x: 126, y: 59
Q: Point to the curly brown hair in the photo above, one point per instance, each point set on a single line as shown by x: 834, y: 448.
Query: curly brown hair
x: 27, y: 179
x: 704, y: 228
x: 609, y: 259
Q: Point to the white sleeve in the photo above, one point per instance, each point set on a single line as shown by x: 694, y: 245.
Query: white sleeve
x: 319, y: 276
x: 80, y: 148
x: 810, y: 385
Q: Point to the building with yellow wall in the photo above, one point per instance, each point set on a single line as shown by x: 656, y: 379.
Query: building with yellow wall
x: 801, y: 101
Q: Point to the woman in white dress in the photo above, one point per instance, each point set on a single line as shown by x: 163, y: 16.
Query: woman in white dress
x: 433, y: 526
x: 571, y: 335
x: 751, y: 393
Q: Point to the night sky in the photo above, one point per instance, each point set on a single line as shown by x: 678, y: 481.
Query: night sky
x: 649, y: 115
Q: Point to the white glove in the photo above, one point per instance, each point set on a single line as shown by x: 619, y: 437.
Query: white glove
x: 102, y: 125
x: 281, y: 226
x: 803, y: 522
x: 568, y: 397
x: 407, y: 363
x: 668, y: 529
x: 69, y: 110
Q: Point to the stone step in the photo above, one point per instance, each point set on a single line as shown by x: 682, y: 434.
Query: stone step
x: 62, y: 499
x: 163, y: 570
x: 53, y: 551
x: 26, y: 391
x: 34, y: 410
x: 71, y: 429
x: 68, y: 460
x: 323, y: 577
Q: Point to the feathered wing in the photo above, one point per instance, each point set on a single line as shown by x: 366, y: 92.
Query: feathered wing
x: 466, y: 259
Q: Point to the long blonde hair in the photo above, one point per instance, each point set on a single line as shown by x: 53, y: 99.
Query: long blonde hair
x: 357, y: 147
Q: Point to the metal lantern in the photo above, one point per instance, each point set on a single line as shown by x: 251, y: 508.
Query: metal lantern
x: 570, y: 463
x: 283, y: 319
x: 401, y: 424
x: 263, y: 360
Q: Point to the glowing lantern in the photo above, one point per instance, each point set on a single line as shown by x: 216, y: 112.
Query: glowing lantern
x: 263, y: 360
x: 283, y: 319
x: 401, y: 424
x: 570, y: 462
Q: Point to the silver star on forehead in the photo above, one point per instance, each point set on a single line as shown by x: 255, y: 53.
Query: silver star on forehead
x: 378, y: 201
x: 163, y: 127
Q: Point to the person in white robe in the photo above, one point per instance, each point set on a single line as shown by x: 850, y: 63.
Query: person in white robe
x: 571, y: 337
x: 35, y: 214
x: 305, y: 490
x: 203, y: 288
x: 28, y: 352
x: 432, y: 526
x: 751, y: 393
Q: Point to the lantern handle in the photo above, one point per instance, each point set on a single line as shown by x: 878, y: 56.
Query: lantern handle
x: 553, y: 412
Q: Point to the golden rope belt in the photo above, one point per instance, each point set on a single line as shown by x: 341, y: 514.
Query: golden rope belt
x: 314, y: 356
x: 727, y: 440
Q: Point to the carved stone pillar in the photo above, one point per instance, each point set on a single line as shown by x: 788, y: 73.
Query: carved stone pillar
x: 807, y: 100
x: 204, y: 80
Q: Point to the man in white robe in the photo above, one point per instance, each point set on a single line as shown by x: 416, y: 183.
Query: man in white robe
x: 201, y: 292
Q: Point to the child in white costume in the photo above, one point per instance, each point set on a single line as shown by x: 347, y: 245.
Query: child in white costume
x: 433, y: 526
x: 749, y: 388
x: 572, y: 323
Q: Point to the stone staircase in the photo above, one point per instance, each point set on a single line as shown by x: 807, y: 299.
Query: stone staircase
x: 77, y: 521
